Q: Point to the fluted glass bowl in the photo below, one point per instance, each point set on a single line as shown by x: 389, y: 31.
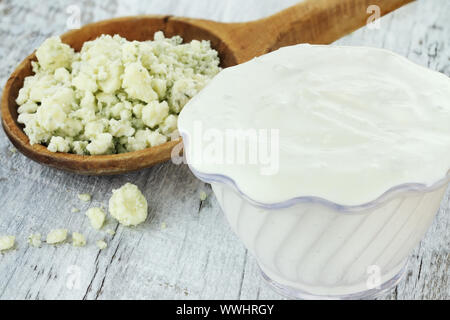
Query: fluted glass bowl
x: 309, y: 247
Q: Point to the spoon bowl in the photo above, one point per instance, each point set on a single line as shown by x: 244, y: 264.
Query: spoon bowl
x: 311, y: 21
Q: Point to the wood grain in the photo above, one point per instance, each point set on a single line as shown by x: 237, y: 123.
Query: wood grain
x: 197, y: 256
x: 315, y: 21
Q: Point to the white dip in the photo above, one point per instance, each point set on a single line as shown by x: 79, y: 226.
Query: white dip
x: 353, y: 122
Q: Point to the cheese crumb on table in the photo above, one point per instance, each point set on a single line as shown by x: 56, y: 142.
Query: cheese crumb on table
x: 101, y: 244
x: 7, y: 242
x: 86, y: 197
x: 114, y: 95
x: 96, y: 217
x: 75, y: 210
x: 111, y: 232
x: 78, y: 240
x: 203, y: 196
x: 57, y: 236
x: 128, y: 205
x: 34, y: 240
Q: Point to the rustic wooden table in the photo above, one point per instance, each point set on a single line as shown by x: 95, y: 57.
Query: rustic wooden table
x: 196, y: 256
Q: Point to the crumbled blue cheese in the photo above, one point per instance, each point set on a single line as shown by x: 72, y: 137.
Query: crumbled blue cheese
x: 53, y: 54
x: 96, y: 217
x: 128, y: 205
x: 101, y: 244
x: 113, y: 96
x: 56, y: 236
x: 7, y: 242
x: 203, y: 196
x: 34, y: 240
x: 59, y: 144
x: 78, y: 240
x: 86, y: 197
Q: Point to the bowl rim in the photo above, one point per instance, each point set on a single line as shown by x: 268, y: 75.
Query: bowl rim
x: 393, y: 192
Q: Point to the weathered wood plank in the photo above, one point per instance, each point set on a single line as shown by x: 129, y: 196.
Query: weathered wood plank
x: 196, y: 256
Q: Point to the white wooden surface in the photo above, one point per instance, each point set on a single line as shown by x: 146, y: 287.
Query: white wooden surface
x: 197, y: 256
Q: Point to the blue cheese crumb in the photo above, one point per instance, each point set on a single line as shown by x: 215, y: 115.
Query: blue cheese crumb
x: 56, y: 236
x: 78, y: 240
x: 7, y: 242
x: 86, y: 197
x: 96, y: 217
x: 128, y: 205
x: 34, y: 240
x: 101, y: 244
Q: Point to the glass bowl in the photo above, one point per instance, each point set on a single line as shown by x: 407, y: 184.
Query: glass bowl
x: 309, y: 247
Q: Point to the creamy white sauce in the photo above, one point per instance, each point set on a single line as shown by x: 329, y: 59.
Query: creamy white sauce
x: 353, y: 122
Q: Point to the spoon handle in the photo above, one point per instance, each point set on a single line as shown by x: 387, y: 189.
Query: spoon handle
x: 311, y: 21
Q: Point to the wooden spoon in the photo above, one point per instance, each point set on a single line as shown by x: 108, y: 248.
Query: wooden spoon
x: 311, y: 21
